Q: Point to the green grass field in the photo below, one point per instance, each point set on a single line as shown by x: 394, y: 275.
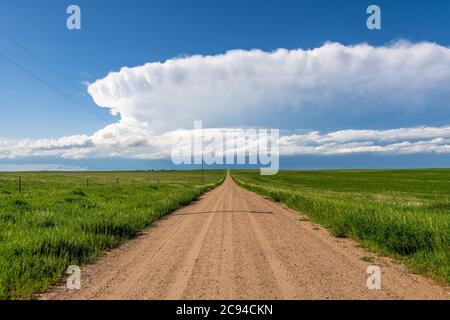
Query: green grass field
x: 400, y: 213
x: 59, y: 219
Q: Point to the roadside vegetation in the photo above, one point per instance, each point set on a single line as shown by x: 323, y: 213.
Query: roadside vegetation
x: 49, y: 221
x: 400, y: 213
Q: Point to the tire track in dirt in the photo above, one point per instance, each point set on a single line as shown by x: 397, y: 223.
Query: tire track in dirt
x: 180, y: 283
x: 215, y: 268
x: 278, y: 271
x: 234, y: 244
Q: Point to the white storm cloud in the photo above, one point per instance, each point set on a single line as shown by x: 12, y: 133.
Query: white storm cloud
x: 139, y: 144
x: 346, y: 87
x: 333, y: 84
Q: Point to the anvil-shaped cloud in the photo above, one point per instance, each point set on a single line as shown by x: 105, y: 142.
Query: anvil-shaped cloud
x: 345, y: 99
x: 335, y: 86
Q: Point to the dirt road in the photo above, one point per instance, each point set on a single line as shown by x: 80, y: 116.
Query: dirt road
x: 234, y: 244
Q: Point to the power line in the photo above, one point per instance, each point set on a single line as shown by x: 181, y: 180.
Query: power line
x: 50, y: 68
x: 41, y: 61
x: 51, y: 86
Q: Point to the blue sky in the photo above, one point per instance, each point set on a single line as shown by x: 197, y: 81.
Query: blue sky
x: 131, y: 33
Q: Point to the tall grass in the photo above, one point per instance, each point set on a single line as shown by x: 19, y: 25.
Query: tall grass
x: 62, y: 218
x: 404, y: 213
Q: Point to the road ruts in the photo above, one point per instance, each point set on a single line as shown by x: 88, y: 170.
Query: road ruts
x: 234, y: 244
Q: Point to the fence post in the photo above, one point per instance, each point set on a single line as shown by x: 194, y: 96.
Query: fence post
x: 117, y: 182
x: 87, y: 182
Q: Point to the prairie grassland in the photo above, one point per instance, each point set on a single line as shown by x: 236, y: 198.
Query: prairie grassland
x: 400, y: 213
x: 59, y: 219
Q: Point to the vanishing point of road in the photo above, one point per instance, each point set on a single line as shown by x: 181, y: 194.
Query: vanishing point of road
x: 234, y: 244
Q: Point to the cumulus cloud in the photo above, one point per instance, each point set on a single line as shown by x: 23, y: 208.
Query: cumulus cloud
x: 348, y: 88
x: 395, y: 141
x: 140, y: 144
x: 333, y: 85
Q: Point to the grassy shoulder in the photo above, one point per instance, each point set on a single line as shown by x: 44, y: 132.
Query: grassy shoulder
x: 399, y: 213
x: 60, y: 219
